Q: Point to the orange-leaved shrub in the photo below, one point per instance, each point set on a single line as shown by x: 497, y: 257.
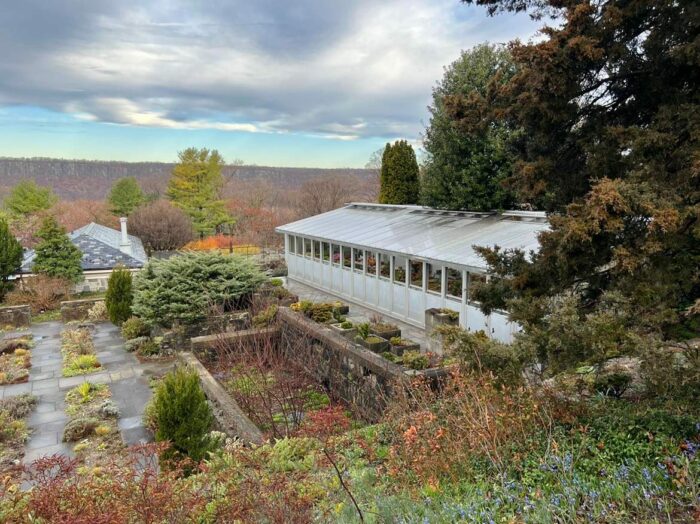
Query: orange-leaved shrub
x: 469, y: 420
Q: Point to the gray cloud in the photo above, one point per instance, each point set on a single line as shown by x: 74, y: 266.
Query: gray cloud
x: 331, y: 68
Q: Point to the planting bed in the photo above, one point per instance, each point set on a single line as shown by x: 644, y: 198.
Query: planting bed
x: 78, y: 352
x: 275, y: 394
x: 92, y: 425
x: 13, y: 428
x: 15, y: 359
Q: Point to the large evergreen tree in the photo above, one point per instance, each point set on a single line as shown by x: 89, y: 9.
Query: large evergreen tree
x: 27, y: 197
x: 399, y: 177
x: 609, y: 105
x: 466, y: 170
x: 10, y: 256
x: 125, y: 196
x: 56, y: 256
x: 195, y: 186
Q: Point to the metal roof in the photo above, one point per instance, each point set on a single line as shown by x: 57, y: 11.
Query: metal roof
x: 100, y: 246
x: 420, y: 232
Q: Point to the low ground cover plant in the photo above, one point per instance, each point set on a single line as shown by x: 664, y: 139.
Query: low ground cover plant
x: 134, y: 327
x: 78, y: 352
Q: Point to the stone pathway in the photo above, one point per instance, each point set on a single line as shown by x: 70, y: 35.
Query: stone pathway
x: 126, y: 376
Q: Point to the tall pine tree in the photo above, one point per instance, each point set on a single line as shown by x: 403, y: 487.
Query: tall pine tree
x: 125, y: 196
x: 399, y: 177
x: 10, y: 256
x: 195, y: 186
x: 466, y: 170
x: 28, y: 197
x: 609, y: 106
x: 56, y: 256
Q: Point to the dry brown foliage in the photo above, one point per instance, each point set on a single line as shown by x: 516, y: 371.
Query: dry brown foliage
x: 41, y: 292
x: 441, y: 432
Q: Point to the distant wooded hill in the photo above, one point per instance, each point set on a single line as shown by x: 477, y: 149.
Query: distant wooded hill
x: 88, y: 179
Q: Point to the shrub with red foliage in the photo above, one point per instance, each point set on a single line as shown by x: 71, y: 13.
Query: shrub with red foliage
x: 125, y: 489
x: 325, y: 423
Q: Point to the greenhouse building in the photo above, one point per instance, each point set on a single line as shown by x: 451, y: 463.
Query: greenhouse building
x: 402, y: 260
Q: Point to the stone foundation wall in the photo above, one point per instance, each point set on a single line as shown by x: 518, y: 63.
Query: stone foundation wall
x: 229, y: 416
x: 77, y: 309
x: 15, y: 316
x: 358, y: 376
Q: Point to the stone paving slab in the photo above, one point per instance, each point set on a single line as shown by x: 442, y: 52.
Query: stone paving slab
x: 128, y: 379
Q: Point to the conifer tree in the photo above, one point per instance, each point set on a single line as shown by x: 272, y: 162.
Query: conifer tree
x: 399, y: 175
x: 27, y: 197
x: 10, y: 256
x: 119, y: 295
x: 125, y: 196
x: 195, y: 186
x: 56, y: 255
x: 182, y: 415
x: 467, y: 169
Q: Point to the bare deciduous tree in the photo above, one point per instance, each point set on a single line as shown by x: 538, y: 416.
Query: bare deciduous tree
x: 322, y: 194
x: 161, y: 226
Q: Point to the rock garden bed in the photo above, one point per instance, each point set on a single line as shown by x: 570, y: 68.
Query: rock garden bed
x: 376, y: 335
x: 15, y: 359
x: 92, y: 425
x: 13, y: 429
x: 78, y: 351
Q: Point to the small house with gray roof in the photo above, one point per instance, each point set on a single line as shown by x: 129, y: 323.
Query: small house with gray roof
x: 103, y: 249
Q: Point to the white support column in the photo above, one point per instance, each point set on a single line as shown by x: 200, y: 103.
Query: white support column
x: 465, y: 309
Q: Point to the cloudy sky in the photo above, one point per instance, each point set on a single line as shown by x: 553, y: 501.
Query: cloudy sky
x: 271, y: 82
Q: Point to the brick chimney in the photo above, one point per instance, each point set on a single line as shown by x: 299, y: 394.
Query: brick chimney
x: 125, y: 243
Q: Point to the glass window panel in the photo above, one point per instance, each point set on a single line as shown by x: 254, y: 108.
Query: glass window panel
x: 326, y: 253
x: 400, y: 270
x: 336, y: 254
x: 371, y: 263
x: 307, y: 247
x: 454, y: 283
x: 475, y: 279
x: 359, y: 255
x: 384, y: 266
x: 290, y: 239
x: 300, y: 246
x: 416, y: 273
x: 317, y: 249
x: 346, y: 257
x: 435, y: 278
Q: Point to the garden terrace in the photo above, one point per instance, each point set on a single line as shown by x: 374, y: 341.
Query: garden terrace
x: 274, y: 391
x: 403, y: 260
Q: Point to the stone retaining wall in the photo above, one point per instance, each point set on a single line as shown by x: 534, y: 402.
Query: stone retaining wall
x: 358, y: 376
x: 15, y: 316
x: 232, y: 420
x: 77, y: 309
x: 208, y: 343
